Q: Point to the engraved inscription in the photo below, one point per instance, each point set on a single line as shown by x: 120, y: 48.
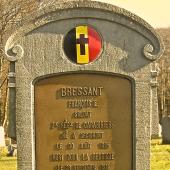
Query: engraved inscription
x: 85, y: 145
x: 56, y: 157
x: 102, y: 157
x: 75, y: 167
x: 83, y: 122
x: 98, y: 135
x: 103, y: 145
x: 81, y: 91
x: 82, y: 104
x: 81, y: 115
x: 65, y: 124
x: 97, y: 125
x: 58, y: 146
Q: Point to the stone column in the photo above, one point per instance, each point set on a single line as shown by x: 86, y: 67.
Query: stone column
x: 154, y: 101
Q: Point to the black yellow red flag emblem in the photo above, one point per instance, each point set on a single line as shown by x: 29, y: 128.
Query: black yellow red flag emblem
x: 82, y: 44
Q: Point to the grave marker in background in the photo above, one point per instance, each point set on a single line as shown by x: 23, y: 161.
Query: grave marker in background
x: 165, y: 122
x: 2, y: 137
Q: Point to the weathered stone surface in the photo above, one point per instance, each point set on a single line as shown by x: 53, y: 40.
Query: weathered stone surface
x: 129, y: 47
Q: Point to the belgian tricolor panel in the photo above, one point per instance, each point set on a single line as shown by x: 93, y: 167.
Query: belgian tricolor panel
x: 82, y: 44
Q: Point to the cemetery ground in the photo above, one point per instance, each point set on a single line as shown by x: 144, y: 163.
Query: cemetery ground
x: 160, y: 157
x: 8, y: 163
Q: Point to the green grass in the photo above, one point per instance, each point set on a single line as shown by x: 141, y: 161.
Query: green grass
x: 160, y: 155
x: 160, y: 158
x: 8, y: 163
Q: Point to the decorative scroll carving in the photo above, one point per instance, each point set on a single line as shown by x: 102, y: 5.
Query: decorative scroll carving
x: 50, y: 12
x: 15, y: 53
x: 148, y: 49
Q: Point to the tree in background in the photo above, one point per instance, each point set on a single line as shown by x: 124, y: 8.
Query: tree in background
x: 164, y: 76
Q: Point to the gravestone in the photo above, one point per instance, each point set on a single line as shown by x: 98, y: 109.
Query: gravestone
x: 80, y: 72
x: 2, y: 137
x: 165, y: 123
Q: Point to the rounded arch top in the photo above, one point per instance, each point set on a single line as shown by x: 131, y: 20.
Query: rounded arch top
x: 53, y: 12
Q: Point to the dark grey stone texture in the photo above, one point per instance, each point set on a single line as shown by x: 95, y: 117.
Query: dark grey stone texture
x: 165, y: 122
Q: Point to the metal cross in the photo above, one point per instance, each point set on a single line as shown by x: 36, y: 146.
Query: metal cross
x: 82, y: 41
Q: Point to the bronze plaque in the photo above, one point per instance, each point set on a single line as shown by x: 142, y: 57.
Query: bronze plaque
x: 84, y: 121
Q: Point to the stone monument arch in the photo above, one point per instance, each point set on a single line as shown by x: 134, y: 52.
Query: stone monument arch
x: 80, y: 87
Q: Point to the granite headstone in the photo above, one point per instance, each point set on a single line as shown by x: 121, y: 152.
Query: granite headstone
x: 81, y: 74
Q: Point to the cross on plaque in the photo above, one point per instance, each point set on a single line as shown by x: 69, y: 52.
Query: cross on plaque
x: 82, y: 41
